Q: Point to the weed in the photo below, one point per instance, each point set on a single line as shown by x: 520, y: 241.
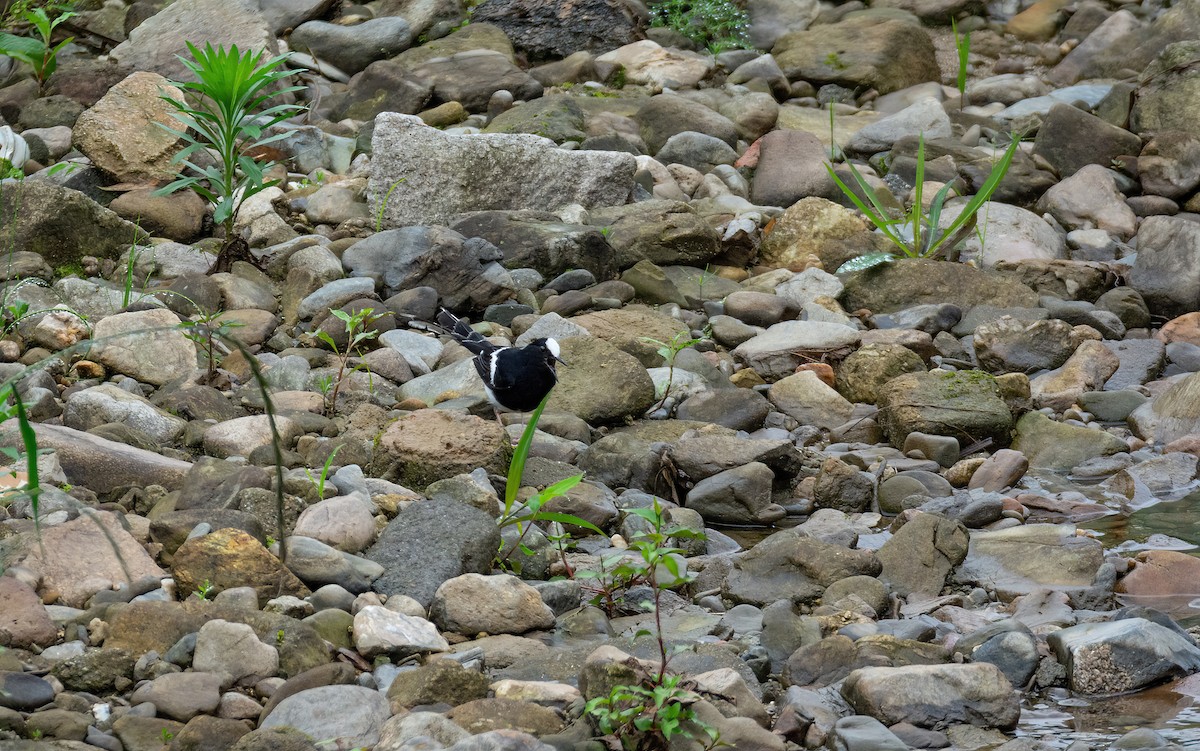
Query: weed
x: 384, y: 203
x: 228, y: 117
x: 166, y: 735
x: 28, y: 452
x: 208, y: 332
x: 669, y: 351
x: 531, y: 512
x: 646, y: 717
x: 717, y: 25
x: 205, y: 589
x: 358, y: 332
x: 963, y: 45
x: 918, y: 234
x: 319, y: 482
x: 834, y: 60
x: 40, y: 54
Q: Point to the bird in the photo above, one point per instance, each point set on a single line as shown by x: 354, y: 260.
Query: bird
x: 516, y: 379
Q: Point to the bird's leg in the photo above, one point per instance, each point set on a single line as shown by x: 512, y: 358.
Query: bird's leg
x: 500, y: 420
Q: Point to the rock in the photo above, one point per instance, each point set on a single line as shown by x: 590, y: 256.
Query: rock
x: 999, y: 471
x: 229, y: 558
x: 815, y: 226
x: 467, y: 542
x: 242, y: 435
x: 344, y: 522
x: 806, y: 398
x: 1071, y: 139
x: 438, y: 176
x: 741, y: 495
x: 96, y: 544
x: 777, y: 352
x: 500, y: 604
x: 1009, y: 645
x: 436, y: 682
x: 347, y: 715
x: 548, y: 30
x: 1055, y: 445
x: 24, y: 622
x: 95, y: 671
x: 429, y: 445
x: 1161, y: 580
x: 473, y: 77
x: 925, y: 116
x: 930, y: 695
x: 384, y: 86
x: 696, y: 150
x: 647, y: 63
x: 108, y: 404
x: 706, y: 455
x: 791, y: 167
x: 908, y: 282
x: 1168, y: 164
x: 1019, y: 560
x: 886, y: 55
x: 353, y: 48
x: 147, y: 345
x: 155, y: 45
x: 181, y: 696
x: 791, y: 565
x: 1012, y: 345
x: 62, y: 225
x: 658, y: 231
x: 1087, y: 370
x: 378, y: 630
x: 1124, y: 655
x: 234, y: 650
x: 24, y: 691
x: 963, y: 404
x: 541, y: 241
x: 859, y: 733
x: 122, y: 133
x: 481, y: 715
x: 1012, y: 233
x: 771, y: 19
x: 1088, y: 199
x: 666, y: 115
x: 867, y: 369
x: 921, y: 554
x: 1162, y: 100
x: 624, y: 390
x: 1162, y: 273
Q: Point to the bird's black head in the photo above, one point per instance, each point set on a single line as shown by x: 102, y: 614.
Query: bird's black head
x: 550, y: 348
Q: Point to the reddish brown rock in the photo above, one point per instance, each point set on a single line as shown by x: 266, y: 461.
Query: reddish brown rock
x: 231, y: 558
x: 23, y: 618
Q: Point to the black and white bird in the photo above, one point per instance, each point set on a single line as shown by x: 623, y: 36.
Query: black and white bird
x: 516, y: 379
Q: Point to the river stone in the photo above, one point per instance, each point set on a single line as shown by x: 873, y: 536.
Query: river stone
x: 885, y: 55
x: 1090, y: 198
x: 932, y: 695
x: 1019, y: 560
x: 121, y: 133
x: 922, y: 553
x: 438, y: 176
x: 429, y: 445
x: 926, y: 116
x: 62, y: 225
x: 601, y: 384
x: 843, y: 487
x: 181, y: 696
x: 229, y: 558
x: 792, y: 565
x: 1008, y: 644
x: 24, y: 691
x: 806, y: 398
x: 437, y: 681
x: 1088, y: 368
x: 815, y: 226
x: 1009, y: 345
x: 1164, y: 100
x: 345, y: 522
x: 1070, y: 139
x: 471, y: 604
x: 24, y: 621
x: 467, y: 541
x: 1163, y: 580
x: 83, y: 556
x: 861, y: 375
x: 1166, y: 272
x: 379, y: 631
x: 705, y: 455
x: 741, y: 495
x: 1121, y: 656
x: 658, y: 231
x: 147, y: 345
x: 349, y: 715
x: 549, y: 30
x: 1055, y: 445
x: 779, y: 350
x: 915, y: 281
x: 352, y: 48
x: 156, y: 44
x: 964, y: 404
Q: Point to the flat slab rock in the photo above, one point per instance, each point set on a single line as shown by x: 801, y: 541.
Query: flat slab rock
x: 1125, y: 655
x: 932, y: 696
x: 433, y: 176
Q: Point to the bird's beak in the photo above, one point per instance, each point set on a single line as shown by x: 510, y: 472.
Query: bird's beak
x: 559, y: 359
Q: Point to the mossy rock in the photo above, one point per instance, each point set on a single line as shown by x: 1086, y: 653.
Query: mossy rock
x: 964, y: 404
x: 919, y: 281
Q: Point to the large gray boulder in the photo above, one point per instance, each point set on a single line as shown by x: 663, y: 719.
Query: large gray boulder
x: 1167, y: 272
x: 62, y: 225
x: 437, y: 176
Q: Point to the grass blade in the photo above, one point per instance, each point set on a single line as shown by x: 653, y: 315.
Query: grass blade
x: 516, y: 470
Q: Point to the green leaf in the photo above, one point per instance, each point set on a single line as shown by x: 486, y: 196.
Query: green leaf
x: 867, y: 261
x: 516, y: 469
x: 554, y: 516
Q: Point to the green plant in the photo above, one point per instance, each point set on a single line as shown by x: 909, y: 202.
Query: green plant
x: 319, y: 482
x: 918, y: 234
x: 963, y: 45
x: 669, y: 351
x: 208, y: 331
x: 280, y: 637
x: 718, y: 25
x: 14, y: 310
x: 531, y: 512
x: 28, y: 452
x: 205, y: 589
x: 228, y: 116
x: 166, y: 735
x: 384, y: 203
x: 358, y: 332
x: 647, y: 716
x: 40, y: 54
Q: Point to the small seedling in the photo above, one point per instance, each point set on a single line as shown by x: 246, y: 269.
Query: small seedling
x: 669, y: 351
x: 209, y: 334
x: 204, y: 589
x: 963, y: 45
x: 40, y: 54
x: 358, y: 333
x: 384, y: 204
x: 319, y: 481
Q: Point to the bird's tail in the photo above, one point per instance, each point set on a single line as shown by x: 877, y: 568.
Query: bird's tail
x: 464, y: 334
